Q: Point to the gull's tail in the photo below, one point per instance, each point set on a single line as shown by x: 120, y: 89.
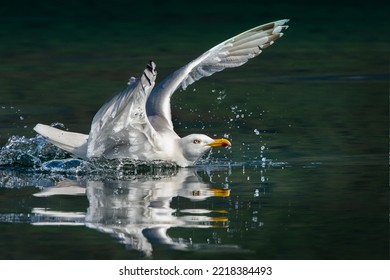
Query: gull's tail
x: 72, y: 142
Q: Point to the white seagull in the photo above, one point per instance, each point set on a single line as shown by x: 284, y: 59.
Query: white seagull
x: 137, y: 123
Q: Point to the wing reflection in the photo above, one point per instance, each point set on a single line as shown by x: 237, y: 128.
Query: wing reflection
x: 141, y: 211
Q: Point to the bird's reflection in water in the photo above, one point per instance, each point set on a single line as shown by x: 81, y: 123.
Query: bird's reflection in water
x: 139, y: 212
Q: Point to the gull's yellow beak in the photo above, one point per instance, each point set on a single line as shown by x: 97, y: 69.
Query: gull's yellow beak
x: 220, y: 143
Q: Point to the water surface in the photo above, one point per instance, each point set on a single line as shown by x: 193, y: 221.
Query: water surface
x: 306, y: 176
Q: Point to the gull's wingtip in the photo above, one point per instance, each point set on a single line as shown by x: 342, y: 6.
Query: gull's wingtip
x: 151, y: 64
x: 281, y: 22
x: 279, y: 27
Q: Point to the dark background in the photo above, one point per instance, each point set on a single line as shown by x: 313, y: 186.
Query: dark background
x: 322, y: 90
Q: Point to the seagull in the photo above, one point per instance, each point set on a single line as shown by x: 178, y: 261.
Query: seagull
x: 137, y: 124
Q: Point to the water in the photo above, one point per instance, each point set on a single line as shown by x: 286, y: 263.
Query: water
x: 306, y: 176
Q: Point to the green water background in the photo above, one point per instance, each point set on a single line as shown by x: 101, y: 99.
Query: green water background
x: 319, y: 98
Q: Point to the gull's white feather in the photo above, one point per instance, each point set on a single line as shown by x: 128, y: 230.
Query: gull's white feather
x: 121, y: 127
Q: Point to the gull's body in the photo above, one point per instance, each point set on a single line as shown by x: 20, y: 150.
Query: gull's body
x: 137, y: 122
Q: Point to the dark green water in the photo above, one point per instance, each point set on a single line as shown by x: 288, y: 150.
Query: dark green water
x: 306, y: 177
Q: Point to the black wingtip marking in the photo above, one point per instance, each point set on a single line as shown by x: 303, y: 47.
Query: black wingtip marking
x: 150, y: 67
x: 147, y: 78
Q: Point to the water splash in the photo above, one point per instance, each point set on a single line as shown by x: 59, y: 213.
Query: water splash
x: 35, y: 155
x: 29, y: 152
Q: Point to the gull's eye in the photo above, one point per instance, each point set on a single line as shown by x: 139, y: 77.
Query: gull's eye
x: 196, y: 141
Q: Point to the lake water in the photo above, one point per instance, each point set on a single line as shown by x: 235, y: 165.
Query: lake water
x: 306, y: 176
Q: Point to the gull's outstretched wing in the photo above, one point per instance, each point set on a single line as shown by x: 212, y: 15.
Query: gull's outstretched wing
x: 121, y: 128
x: 231, y: 53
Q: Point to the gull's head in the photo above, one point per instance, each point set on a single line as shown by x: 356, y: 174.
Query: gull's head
x: 195, y: 145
